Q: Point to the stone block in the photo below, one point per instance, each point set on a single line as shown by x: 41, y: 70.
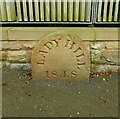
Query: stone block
x: 104, y: 45
x: 17, y: 56
x: 11, y: 45
x: 104, y: 56
x: 36, y: 33
x: 109, y: 57
x: 17, y: 45
x: 24, y: 66
x: 111, y: 45
x: 107, y: 34
x: 106, y: 68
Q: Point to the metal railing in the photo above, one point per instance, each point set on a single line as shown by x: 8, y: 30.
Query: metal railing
x: 108, y: 11
x: 56, y: 10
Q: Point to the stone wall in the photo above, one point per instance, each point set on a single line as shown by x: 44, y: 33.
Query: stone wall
x: 19, y: 42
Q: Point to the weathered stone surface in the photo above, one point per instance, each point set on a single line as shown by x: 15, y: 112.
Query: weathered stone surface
x: 29, y: 44
x: 3, y: 64
x: 104, y: 45
x: 25, y: 66
x: 60, y: 56
x: 106, y: 68
x: 17, y: 45
x: 95, y: 55
x: 104, y: 56
x: 96, y: 46
x: 17, y: 56
x: 28, y: 56
x: 11, y: 45
x: 109, y: 57
x: 3, y: 55
x: 111, y: 45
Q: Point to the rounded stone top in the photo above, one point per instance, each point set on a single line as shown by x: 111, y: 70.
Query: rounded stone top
x: 60, y: 56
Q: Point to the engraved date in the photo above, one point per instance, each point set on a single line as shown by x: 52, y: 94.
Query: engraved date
x: 64, y: 74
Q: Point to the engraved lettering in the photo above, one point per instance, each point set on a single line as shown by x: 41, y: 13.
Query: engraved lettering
x: 71, y: 44
x: 42, y: 62
x: 54, y: 74
x: 49, y: 45
x: 73, y: 74
x: 79, y: 56
x: 64, y: 74
x: 47, y: 74
x: 43, y: 53
x: 77, y: 49
x: 79, y: 64
x: 56, y: 41
x: 67, y: 43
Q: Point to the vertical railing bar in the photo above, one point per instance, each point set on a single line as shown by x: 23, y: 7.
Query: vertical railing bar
x: 70, y: 10
x: 94, y: 11
x: 10, y: 7
x: 25, y: 10
x: 42, y: 11
x: 76, y: 10
x: 92, y: 14
x: 47, y: 10
x: 8, y: 11
x: 36, y: 10
x: 82, y: 10
x: 30, y: 10
x: 88, y: 10
x: 99, y: 10
x: 110, y: 11
x: 58, y: 10
x: 53, y: 10
x: 3, y: 10
x: 116, y: 10
x: 19, y: 14
x: 0, y: 13
x: 119, y: 11
x: 105, y: 10
x: 65, y: 12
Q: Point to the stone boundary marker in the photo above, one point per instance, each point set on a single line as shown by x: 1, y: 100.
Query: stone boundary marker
x: 61, y: 56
